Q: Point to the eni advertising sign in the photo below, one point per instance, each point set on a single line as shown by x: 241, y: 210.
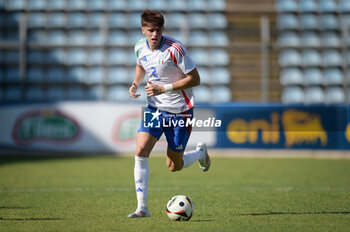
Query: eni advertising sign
x: 278, y: 126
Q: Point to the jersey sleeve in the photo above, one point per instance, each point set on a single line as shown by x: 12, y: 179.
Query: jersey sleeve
x: 138, y: 48
x: 181, y: 58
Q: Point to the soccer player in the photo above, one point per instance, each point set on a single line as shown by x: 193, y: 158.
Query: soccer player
x: 170, y: 74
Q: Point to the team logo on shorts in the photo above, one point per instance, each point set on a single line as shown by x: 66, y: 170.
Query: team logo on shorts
x: 151, y: 119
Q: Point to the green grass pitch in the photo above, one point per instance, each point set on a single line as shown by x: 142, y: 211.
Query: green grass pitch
x: 236, y: 194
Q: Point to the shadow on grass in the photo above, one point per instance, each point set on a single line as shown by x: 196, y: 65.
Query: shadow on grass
x: 18, y: 157
x: 289, y: 213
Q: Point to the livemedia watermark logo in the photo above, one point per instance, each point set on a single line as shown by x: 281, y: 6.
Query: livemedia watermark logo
x: 158, y: 119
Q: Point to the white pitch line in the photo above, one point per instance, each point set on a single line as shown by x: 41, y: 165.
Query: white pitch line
x: 217, y: 188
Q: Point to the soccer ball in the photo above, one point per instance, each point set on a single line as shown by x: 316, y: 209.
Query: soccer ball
x: 180, y: 208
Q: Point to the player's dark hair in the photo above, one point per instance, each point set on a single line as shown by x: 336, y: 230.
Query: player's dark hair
x: 152, y: 18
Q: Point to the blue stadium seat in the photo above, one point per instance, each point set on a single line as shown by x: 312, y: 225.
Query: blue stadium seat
x: 12, y: 57
x: 76, y: 93
x: 197, y: 20
x: 54, y: 5
x: 57, y: 37
x: 118, y: 38
x: 16, y: 5
x: 76, y: 57
x: 36, y: 36
x: 56, y: 56
x: 217, y: 21
x: 178, y: 35
x: 36, y: 20
x: 95, y: 92
x: 333, y: 76
x: 36, y: 5
x: 293, y: 95
x: 94, y: 5
x: 35, y: 57
x: 331, y: 58
x: 327, y: 6
x: 117, y: 57
x: 334, y: 95
x: 134, y: 20
x: 118, y: 93
x: 56, y: 19
x: 307, y: 6
x: 288, y: 38
x: 137, y: 5
x: 35, y: 75
x: 289, y: 57
x: 77, y: 74
x: 218, y: 38
x: 175, y: 20
x: 118, y: 20
x: 95, y: 37
x: 313, y: 76
x: 2, y: 20
x: 204, y: 75
x: 219, y: 75
x: 95, y: 20
x: 218, y: 57
x: 314, y: 95
x: 117, y: 75
x: 284, y: 6
x: 217, y: 5
x: 55, y: 75
x: 34, y: 94
x: 76, y: 20
x: 131, y: 57
x: 158, y: 5
x: 328, y: 22
x: 12, y: 20
x: 308, y: 22
x: 310, y: 38
x: 221, y: 94
x: 330, y: 39
x: 344, y: 6
x: 135, y: 36
x: 202, y: 93
x: 120, y: 5
x: 200, y: 56
x: 96, y: 56
x: 179, y: 5
x: 12, y: 74
x: 12, y: 93
x: 197, y: 5
x: 291, y: 76
x: 55, y: 93
x: 12, y: 35
x: 287, y: 22
x: 198, y: 38
x: 96, y: 75
x: 76, y: 37
x: 311, y: 57
x: 76, y: 5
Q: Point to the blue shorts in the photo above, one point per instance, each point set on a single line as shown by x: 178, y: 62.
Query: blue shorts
x: 173, y: 125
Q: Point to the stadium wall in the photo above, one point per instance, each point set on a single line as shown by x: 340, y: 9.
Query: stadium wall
x: 102, y: 127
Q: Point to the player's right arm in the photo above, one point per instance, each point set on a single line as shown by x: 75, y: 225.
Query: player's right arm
x: 139, y: 75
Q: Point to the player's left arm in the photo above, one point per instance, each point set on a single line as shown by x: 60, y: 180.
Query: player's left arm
x: 191, y: 79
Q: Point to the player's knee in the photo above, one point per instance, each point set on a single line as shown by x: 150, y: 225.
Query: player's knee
x: 141, y: 151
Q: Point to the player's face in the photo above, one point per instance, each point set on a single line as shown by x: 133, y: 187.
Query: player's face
x: 153, y: 35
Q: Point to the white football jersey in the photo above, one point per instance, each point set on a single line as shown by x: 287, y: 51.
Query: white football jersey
x: 168, y: 64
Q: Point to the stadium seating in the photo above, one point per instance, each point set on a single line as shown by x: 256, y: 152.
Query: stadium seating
x: 89, y: 44
x: 314, y: 64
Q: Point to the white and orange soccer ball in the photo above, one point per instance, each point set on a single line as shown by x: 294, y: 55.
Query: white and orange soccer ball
x: 180, y: 208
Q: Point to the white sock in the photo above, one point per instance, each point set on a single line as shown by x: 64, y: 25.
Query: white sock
x: 190, y: 157
x: 141, y: 176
